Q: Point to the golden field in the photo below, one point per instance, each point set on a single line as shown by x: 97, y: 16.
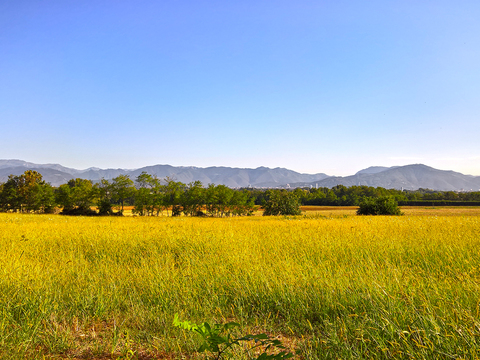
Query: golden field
x: 329, y: 284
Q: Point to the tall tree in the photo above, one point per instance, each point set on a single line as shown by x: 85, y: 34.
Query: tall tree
x: 281, y: 202
x: 193, y: 198
x: 27, y: 192
x: 82, y: 192
x: 78, y: 194
x: 122, y: 188
x: 173, y: 193
x: 158, y: 192
x: 224, y: 200
x: 64, y: 197
x: 144, y: 196
x: 103, y: 195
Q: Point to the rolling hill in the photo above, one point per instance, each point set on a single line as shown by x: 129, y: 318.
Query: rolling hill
x: 409, y: 177
x: 233, y: 177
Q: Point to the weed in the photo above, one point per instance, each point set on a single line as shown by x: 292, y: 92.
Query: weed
x: 217, y: 339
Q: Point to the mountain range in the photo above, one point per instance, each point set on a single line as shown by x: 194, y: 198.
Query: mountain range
x: 409, y: 177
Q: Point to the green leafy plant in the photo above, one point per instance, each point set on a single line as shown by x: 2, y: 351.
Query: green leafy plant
x: 217, y: 339
x: 281, y: 202
x: 384, y: 205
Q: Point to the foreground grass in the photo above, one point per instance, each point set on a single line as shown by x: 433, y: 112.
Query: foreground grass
x: 330, y: 287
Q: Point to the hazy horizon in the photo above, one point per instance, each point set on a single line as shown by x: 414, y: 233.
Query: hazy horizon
x: 311, y: 86
x: 202, y: 167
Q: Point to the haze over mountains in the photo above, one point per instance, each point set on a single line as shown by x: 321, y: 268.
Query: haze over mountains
x: 409, y: 177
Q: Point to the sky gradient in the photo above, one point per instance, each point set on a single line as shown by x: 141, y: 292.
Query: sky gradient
x: 312, y: 86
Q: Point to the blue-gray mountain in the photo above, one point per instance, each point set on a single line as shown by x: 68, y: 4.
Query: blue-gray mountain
x: 409, y: 177
x: 234, y: 177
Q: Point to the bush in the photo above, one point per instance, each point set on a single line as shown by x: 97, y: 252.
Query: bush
x: 217, y: 340
x: 176, y: 210
x: 79, y: 211
x: 281, y: 202
x: 385, y: 205
x: 105, y: 208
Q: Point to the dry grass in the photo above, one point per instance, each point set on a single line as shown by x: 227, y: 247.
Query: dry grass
x: 351, y: 210
x: 330, y: 284
x: 442, y: 211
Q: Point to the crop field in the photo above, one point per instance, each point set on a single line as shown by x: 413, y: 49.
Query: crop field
x: 329, y: 284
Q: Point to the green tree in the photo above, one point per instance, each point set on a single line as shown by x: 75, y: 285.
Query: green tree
x: 76, y: 197
x: 26, y: 193
x: 103, y: 195
x: 211, y: 200
x: 193, y: 198
x: 330, y: 198
x: 48, y: 199
x: 173, y: 193
x: 10, y: 198
x: 30, y: 190
x: 143, y: 195
x: 281, y: 202
x: 384, y: 205
x: 64, y: 197
x: 82, y: 192
x: 150, y: 195
x: 158, y: 195
x: 242, y: 203
x: 224, y: 197
x: 122, y: 188
x: 1, y: 197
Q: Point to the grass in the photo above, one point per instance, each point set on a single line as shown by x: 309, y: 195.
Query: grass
x: 329, y: 284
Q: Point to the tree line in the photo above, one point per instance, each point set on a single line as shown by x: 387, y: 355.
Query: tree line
x: 341, y: 195
x: 151, y: 196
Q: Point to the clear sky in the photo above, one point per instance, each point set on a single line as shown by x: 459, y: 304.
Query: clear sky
x: 313, y: 86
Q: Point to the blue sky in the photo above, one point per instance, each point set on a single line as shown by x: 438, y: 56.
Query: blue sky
x: 313, y: 86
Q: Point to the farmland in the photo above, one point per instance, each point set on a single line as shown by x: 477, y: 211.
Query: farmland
x: 329, y: 284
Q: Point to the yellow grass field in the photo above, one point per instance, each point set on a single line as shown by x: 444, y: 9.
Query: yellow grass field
x: 329, y: 284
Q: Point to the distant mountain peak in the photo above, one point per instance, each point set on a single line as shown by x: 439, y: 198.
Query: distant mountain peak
x: 375, y: 169
x: 411, y: 177
x: 408, y: 177
x: 372, y: 170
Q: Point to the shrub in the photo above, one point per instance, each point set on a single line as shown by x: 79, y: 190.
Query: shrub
x: 105, y: 208
x: 79, y: 211
x: 176, y: 210
x: 281, y: 202
x: 385, y: 205
x: 217, y: 340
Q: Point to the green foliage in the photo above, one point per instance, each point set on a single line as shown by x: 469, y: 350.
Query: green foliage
x: 221, y: 201
x: 352, y: 196
x: 149, y: 197
x: 105, y: 208
x: 142, y: 203
x: 173, y: 193
x: 281, y: 202
x: 192, y: 199
x: 385, y: 205
x: 218, y: 340
x: 79, y: 212
x: 102, y: 192
x: 122, y: 188
x: 64, y: 198
x: 76, y: 197
x: 176, y: 210
x: 27, y: 193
